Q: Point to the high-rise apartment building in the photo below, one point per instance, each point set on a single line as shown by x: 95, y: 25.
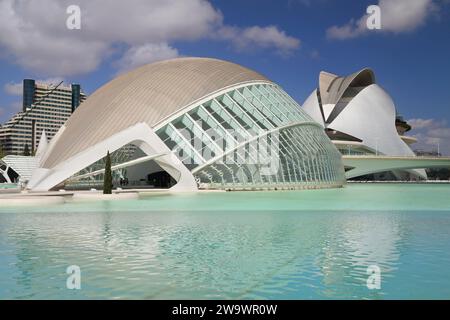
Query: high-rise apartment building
x: 45, y: 107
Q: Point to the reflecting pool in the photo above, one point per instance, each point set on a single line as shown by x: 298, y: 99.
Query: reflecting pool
x: 313, y: 244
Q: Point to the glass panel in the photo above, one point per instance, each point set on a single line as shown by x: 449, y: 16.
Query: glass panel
x: 230, y: 132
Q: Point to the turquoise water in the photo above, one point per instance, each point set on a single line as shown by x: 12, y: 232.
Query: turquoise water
x: 245, y: 245
x: 8, y: 186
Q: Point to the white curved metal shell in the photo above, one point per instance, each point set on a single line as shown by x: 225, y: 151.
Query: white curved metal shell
x: 312, y: 107
x: 367, y: 113
x: 22, y: 165
x: 332, y: 87
x: 188, y: 115
x: 140, y: 134
x: 370, y: 116
x: 148, y: 94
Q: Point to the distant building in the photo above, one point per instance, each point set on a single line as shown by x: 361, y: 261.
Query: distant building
x: 45, y: 107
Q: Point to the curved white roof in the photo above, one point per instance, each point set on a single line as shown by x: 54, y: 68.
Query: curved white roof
x: 370, y: 117
x: 148, y: 94
x: 332, y: 87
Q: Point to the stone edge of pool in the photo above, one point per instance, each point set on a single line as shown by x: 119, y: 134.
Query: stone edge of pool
x: 24, y: 199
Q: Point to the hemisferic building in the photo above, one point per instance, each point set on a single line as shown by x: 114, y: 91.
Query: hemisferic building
x: 189, y: 124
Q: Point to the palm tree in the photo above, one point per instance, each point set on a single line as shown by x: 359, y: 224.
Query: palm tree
x: 107, y: 181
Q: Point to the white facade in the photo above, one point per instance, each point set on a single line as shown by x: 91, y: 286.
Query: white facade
x: 205, y: 122
x: 14, y: 169
x: 359, y: 116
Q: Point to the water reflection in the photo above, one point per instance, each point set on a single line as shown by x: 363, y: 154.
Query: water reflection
x: 362, y: 240
x: 232, y: 254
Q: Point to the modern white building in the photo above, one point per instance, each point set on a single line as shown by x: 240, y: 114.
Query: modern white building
x: 14, y: 169
x: 360, y: 117
x: 18, y: 169
x: 192, y: 123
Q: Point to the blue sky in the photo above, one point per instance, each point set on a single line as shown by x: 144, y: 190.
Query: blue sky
x: 289, y: 41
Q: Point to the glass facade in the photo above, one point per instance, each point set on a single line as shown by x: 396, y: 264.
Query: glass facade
x: 76, y: 96
x: 255, y: 136
x: 250, y: 137
x: 28, y: 93
x: 124, y: 154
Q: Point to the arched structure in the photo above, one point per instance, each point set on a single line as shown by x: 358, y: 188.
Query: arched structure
x: 208, y: 123
x: 15, y: 168
x: 358, y: 116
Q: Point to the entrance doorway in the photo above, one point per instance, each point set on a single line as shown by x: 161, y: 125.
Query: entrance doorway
x: 161, y: 179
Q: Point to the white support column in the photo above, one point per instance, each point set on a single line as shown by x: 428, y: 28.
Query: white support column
x: 141, y: 135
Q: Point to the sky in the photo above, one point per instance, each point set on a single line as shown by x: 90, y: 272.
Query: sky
x: 288, y: 41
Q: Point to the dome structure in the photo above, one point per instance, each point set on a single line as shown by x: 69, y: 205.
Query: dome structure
x: 204, y: 122
x: 359, y: 116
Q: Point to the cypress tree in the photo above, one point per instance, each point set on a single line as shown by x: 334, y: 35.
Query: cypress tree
x: 107, y: 181
x: 26, y: 150
x: 2, y: 153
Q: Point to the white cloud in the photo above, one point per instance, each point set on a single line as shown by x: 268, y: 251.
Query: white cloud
x: 51, y: 81
x: 440, y: 133
x: 259, y: 37
x: 33, y: 34
x: 430, y: 133
x: 423, y: 123
x: 35, y: 37
x: 147, y: 53
x: 351, y: 30
x: 16, y: 89
x: 397, y: 16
